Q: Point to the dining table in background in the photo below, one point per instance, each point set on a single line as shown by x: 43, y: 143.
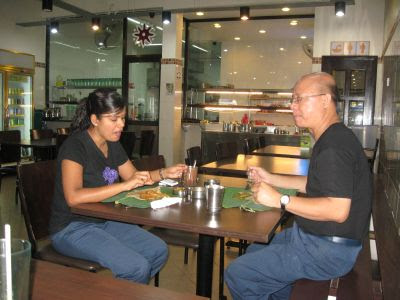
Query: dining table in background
x: 192, y: 216
x: 283, y: 151
x: 238, y: 166
x: 57, y: 282
x: 49, y: 144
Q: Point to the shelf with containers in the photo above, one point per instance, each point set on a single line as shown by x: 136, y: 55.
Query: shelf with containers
x: 207, y: 104
x: 66, y: 96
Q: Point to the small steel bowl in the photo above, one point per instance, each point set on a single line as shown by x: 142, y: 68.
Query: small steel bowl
x: 179, y: 191
x: 198, y: 192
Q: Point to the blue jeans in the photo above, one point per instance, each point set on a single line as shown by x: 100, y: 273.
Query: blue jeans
x: 269, y: 271
x: 129, y: 251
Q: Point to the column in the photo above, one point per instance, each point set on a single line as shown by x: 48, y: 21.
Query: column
x: 170, y: 141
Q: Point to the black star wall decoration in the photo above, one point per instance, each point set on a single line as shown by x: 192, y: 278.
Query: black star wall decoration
x: 143, y: 35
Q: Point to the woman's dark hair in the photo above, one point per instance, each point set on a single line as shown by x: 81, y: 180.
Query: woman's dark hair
x: 100, y: 101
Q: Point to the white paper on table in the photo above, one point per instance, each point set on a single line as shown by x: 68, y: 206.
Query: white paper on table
x: 168, y: 182
x: 164, y: 202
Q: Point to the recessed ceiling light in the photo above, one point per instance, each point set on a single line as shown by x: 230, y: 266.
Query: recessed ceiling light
x: 234, y: 72
x: 225, y: 50
x: 237, y: 38
x: 299, y: 62
x: 261, y: 56
x: 303, y: 37
x: 285, y: 8
x: 200, y: 13
x: 294, y: 22
x: 248, y: 46
x: 254, y: 78
x: 282, y: 49
x: 217, y: 25
x: 268, y: 82
x: 262, y: 31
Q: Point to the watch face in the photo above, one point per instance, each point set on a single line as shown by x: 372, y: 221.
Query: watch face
x: 285, y: 199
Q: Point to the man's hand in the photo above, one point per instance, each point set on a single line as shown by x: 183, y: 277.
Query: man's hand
x: 257, y: 175
x: 265, y: 194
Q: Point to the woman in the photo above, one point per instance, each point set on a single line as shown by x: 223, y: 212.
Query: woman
x: 90, y: 163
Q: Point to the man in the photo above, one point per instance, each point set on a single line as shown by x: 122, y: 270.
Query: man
x: 333, y: 218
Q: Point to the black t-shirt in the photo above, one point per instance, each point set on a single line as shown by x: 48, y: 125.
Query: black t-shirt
x: 339, y: 168
x: 97, y: 171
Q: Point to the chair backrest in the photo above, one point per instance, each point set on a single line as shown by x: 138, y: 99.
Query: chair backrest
x: 194, y: 154
x: 36, y: 188
x: 226, y: 150
x: 149, y: 163
x: 250, y: 145
x: 38, y: 134
x: 64, y: 130
x: 10, y: 153
x: 60, y: 139
x: 372, y: 159
x: 127, y: 141
x: 146, y: 142
x: 261, y: 141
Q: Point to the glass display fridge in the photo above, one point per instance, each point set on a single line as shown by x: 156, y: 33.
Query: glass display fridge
x: 16, y: 90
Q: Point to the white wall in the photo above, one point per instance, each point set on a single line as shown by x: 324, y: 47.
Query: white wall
x: 24, y: 39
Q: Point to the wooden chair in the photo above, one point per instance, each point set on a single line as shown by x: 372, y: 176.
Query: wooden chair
x: 10, y: 154
x: 146, y: 142
x: 127, y: 140
x: 226, y: 150
x: 38, y: 134
x: 60, y: 139
x: 371, y: 160
x: 36, y: 186
x: 249, y: 146
x: 194, y: 154
x: 64, y: 130
x: 261, y: 141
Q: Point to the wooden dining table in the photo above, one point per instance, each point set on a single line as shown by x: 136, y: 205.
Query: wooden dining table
x: 57, y: 282
x: 283, y: 151
x: 238, y: 166
x: 192, y: 216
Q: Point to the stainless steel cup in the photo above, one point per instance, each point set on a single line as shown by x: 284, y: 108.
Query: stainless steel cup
x: 211, y: 182
x: 214, y: 197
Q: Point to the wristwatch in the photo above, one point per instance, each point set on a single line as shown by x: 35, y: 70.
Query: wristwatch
x: 285, y: 199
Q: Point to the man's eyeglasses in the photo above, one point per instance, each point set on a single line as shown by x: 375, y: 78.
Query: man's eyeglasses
x: 298, y: 99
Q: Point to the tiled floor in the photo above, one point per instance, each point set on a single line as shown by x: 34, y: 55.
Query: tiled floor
x: 175, y: 275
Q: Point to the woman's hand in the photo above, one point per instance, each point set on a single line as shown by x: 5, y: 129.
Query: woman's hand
x: 265, y: 194
x: 140, y: 178
x: 257, y: 175
x: 174, y: 171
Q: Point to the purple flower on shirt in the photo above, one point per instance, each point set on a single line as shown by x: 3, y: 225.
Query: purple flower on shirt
x: 110, y: 175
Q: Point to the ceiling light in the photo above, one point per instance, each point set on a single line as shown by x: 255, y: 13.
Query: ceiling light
x: 303, y: 37
x: 166, y: 17
x: 282, y: 49
x: 294, y: 22
x: 285, y: 8
x: 237, y: 38
x: 200, y: 13
x: 47, y: 5
x: 299, y: 62
x: 95, y: 24
x: 244, y: 13
x: 217, y: 25
x: 225, y: 50
x: 340, y: 8
x: 54, y: 27
x: 262, y: 31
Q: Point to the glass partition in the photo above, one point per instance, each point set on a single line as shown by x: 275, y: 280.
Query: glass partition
x: 82, y: 60
x: 245, y: 57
